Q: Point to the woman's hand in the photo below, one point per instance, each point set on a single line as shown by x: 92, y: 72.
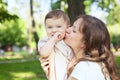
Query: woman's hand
x: 45, y: 65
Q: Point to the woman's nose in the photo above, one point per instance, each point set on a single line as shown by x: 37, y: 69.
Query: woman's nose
x: 68, y: 30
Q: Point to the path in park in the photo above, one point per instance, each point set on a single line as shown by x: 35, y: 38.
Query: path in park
x: 33, y: 59
x: 14, y: 61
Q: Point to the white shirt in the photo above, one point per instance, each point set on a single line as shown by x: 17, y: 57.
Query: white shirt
x: 63, y: 55
x: 86, y: 70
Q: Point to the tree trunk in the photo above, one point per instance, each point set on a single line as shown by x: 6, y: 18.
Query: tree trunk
x: 33, y: 23
x: 75, y: 8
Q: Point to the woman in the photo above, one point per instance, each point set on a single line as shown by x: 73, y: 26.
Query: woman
x: 90, y: 41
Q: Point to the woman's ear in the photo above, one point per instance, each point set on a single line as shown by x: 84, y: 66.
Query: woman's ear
x: 83, y: 45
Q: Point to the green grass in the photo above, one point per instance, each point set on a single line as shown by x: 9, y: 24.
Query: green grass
x: 27, y: 70
x: 118, y: 64
x: 22, y: 71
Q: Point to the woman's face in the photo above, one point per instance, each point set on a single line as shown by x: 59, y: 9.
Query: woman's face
x: 73, y: 36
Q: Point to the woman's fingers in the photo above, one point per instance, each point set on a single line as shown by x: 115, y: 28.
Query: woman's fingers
x: 44, y: 62
x: 44, y: 59
x: 45, y: 65
x: 46, y: 70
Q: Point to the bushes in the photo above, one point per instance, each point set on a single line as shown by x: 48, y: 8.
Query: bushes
x: 12, y: 33
x: 115, y: 35
x: 116, y: 41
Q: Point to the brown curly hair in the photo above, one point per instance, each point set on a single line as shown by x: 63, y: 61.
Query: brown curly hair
x: 97, y: 41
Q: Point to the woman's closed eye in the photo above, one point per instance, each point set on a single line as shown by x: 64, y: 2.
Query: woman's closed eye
x: 59, y: 26
x: 74, y: 31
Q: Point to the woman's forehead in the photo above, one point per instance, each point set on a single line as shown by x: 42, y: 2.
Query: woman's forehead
x: 77, y: 23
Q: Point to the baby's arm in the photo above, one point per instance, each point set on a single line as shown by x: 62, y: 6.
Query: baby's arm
x: 47, y: 48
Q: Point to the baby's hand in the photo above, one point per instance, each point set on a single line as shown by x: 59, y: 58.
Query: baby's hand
x: 57, y: 36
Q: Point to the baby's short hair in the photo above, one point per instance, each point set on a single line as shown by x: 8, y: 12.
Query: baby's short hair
x: 57, y: 14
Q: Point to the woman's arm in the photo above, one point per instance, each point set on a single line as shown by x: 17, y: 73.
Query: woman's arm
x: 48, y: 68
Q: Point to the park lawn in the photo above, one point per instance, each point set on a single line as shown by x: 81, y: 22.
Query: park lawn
x: 118, y: 64
x: 22, y: 71
x: 28, y: 70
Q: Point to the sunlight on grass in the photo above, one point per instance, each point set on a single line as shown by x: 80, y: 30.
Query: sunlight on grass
x: 22, y: 71
x: 23, y: 74
x: 16, y: 55
x: 11, y: 57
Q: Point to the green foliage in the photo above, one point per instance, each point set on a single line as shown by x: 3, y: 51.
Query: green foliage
x: 116, y: 40
x: 112, y: 7
x: 56, y: 5
x: 113, y: 17
x: 4, y: 14
x: 12, y: 33
x: 87, y: 4
x: 114, y: 34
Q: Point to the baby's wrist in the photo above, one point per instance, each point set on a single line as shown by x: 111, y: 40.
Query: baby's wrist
x: 54, y: 38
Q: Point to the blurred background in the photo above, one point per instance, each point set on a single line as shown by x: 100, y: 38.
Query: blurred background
x: 22, y: 25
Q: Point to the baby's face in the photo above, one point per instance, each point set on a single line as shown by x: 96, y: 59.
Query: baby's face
x: 56, y: 25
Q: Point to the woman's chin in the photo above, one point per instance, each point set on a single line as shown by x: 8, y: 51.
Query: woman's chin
x: 66, y: 41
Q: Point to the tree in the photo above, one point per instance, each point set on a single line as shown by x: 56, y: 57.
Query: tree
x: 4, y: 14
x: 75, y: 8
x: 31, y: 24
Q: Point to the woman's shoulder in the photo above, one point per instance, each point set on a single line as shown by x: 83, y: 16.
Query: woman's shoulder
x: 83, y: 70
x: 87, y: 64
